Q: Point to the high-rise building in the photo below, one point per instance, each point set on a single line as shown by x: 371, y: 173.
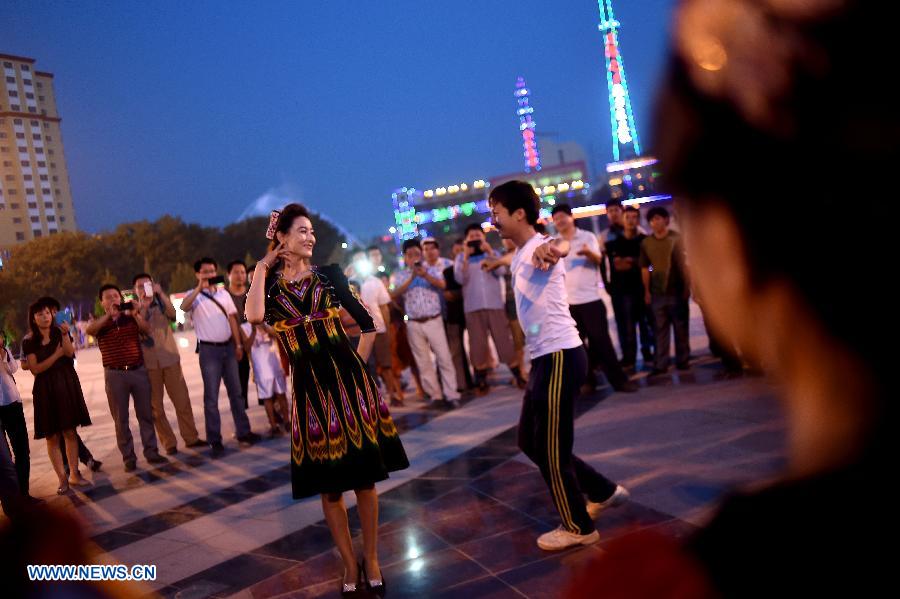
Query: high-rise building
x: 35, y: 197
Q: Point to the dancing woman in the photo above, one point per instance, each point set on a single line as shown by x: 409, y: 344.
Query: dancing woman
x: 342, y: 434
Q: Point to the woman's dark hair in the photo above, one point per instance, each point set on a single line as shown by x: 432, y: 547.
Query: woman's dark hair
x: 747, y: 145
x: 44, y: 303
x: 140, y: 276
x: 52, y: 302
x: 286, y: 219
x: 513, y: 195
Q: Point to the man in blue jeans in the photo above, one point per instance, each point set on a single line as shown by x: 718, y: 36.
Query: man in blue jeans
x: 219, y: 344
x: 666, y: 289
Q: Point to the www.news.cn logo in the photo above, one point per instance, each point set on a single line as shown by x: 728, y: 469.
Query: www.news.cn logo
x: 92, y: 572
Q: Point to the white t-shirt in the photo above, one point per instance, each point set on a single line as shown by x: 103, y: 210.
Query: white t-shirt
x: 374, y: 295
x: 9, y: 394
x: 541, y: 303
x: 209, y: 322
x: 583, y: 280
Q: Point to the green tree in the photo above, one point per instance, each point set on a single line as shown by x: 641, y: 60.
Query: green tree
x: 71, y: 266
x: 182, y: 279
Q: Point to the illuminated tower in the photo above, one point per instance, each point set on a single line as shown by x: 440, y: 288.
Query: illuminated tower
x: 524, y: 110
x: 624, y: 132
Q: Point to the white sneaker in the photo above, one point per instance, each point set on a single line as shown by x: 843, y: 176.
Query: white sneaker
x: 561, y: 538
x: 619, y: 496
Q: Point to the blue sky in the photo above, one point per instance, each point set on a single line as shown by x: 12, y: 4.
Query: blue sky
x: 198, y: 109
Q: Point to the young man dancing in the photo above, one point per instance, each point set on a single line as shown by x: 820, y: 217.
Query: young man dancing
x: 558, y: 369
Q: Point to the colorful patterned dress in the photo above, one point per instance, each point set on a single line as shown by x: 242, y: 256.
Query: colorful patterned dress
x: 342, y: 436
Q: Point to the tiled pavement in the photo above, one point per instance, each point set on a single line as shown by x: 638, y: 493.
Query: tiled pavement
x: 461, y: 522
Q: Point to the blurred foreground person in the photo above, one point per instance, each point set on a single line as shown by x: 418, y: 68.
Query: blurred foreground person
x: 41, y: 535
x: 755, y: 84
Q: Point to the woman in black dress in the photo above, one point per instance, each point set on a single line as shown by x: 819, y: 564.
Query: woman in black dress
x: 58, y: 400
x: 342, y: 434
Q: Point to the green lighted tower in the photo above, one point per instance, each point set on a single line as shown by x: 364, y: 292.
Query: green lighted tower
x: 624, y: 131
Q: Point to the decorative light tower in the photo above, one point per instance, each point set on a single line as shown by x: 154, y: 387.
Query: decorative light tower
x: 624, y: 131
x: 524, y: 110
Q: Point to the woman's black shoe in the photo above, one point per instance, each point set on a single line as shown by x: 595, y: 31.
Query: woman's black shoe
x: 375, y: 586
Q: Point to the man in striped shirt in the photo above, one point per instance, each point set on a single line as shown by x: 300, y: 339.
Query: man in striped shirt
x: 118, y: 335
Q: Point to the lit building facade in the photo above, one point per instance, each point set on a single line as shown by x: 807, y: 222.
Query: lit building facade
x: 35, y: 196
x: 445, y: 212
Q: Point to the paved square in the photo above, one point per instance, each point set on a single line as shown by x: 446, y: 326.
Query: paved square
x: 461, y: 521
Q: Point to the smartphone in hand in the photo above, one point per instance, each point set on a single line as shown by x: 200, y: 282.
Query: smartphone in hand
x: 63, y: 316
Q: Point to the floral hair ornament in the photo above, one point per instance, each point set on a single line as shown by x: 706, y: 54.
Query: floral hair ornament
x: 273, y: 224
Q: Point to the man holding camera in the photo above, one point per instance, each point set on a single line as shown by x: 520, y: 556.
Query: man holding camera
x: 421, y: 286
x: 163, y: 364
x: 118, y: 335
x: 219, y: 344
x: 485, y: 308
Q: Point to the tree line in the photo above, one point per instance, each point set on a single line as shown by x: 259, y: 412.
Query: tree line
x: 71, y: 266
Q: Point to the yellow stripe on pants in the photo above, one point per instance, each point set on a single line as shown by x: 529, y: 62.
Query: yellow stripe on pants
x: 557, y: 486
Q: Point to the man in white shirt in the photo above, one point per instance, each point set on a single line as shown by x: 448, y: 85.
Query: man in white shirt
x: 583, y: 283
x: 219, y: 344
x: 558, y: 367
x: 377, y: 300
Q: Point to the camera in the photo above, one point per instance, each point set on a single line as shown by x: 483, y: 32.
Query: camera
x: 126, y: 306
x: 475, y: 246
x: 217, y: 280
x: 418, y: 264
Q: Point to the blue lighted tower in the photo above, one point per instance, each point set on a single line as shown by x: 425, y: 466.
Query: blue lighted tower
x: 524, y: 110
x: 624, y: 131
